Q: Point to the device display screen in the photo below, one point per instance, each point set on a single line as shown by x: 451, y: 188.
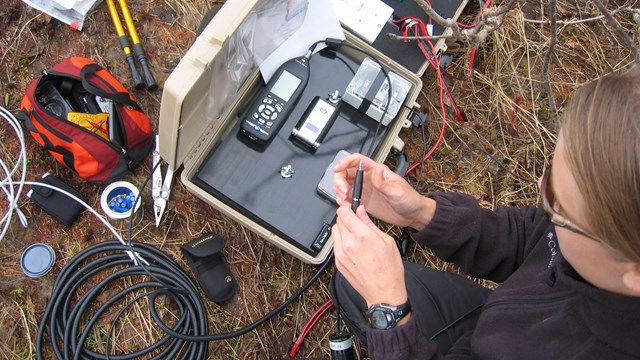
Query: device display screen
x: 285, y: 86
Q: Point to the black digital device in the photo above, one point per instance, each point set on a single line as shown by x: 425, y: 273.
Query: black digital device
x: 274, y: 103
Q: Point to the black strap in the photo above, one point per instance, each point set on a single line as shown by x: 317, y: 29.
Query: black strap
x: 67, y: 155
x: 23, y: 115
x: 119, y: 97
x: 28, y: 124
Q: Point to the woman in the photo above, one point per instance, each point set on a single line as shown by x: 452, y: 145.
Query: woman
x: 569, y: 272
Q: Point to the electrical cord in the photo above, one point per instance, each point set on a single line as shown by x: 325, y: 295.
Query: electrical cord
x: 7, y: 184
x: 418, y: 27
x: 69, y: 323
x: 313, y: 320
x: 336, y: 44
x: 168, y: 279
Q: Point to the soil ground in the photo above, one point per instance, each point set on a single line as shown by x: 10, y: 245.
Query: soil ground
x: 505, y: 101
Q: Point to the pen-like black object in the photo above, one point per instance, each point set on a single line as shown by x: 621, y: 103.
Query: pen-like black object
x: 357, y: 188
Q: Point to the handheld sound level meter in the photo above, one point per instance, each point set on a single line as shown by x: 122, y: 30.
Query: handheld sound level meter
x: 273, y: 105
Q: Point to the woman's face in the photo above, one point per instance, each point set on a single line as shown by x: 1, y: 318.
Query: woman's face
x: 595, y: 262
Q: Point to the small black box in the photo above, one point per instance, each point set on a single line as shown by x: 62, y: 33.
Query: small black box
x: 62, y: 207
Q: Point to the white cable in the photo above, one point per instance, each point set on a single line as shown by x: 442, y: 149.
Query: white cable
x: 7, y: 183
x: 8, y: 186
x: 94, y: 212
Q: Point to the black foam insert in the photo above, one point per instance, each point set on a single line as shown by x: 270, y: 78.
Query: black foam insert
x: 247, y: 176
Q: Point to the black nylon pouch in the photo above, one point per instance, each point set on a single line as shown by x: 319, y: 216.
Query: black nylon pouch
x: 60, y: 206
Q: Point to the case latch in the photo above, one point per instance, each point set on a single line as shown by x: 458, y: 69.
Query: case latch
x: 418, y: 118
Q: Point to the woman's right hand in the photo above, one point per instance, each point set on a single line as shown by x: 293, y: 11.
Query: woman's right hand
x: 385, y: 194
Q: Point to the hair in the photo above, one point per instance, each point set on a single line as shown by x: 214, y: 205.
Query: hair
x: 601, y: 129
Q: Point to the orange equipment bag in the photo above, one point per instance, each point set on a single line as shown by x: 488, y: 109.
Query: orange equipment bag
x: 86, y: 119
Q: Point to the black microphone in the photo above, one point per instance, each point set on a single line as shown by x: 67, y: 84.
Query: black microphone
x: 357, y: 189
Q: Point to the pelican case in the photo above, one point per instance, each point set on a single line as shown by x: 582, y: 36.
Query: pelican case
x: 272, y: 188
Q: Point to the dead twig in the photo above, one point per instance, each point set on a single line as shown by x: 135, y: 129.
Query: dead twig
x: 547, y: 58
x: 636, y: 12
x: 489, y: 22
x: 618, y: 30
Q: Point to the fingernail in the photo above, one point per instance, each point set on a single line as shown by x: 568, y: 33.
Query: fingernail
x: 342, y: 192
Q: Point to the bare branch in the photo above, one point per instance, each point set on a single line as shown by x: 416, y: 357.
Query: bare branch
x: 547, y: 59
x: 618, y: 30
x: 445, y: 23
x: 635, y: 12
x: 490, y: 21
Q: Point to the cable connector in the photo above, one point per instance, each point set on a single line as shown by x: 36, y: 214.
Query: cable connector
x: 334, y: 43
x: 293, y: 350
x: 402, y: 163
x: 309, y: 53
x: 403, y: 241
x: 418, y: 119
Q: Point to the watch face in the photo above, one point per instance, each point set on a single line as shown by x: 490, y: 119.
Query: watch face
x: 379, y: 319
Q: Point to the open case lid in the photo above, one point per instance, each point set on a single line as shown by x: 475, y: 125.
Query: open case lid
x: 185, y: 112
x: 182, y: 121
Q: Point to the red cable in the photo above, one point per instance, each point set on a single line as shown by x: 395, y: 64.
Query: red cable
x: 308, y: 326
x: 485, y: 7
x: 472, y: 59
x: 436, y: 64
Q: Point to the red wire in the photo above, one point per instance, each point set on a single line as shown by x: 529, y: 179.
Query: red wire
x: 308, y: 326
x: 474, y: 51
x: 472, y: 59
x: 485, y: 7
x: 436, y: 64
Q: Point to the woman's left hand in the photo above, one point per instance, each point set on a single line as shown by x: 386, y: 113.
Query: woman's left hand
x: 368, y: 258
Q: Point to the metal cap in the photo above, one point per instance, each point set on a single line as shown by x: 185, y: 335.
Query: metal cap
x: 37, y: 260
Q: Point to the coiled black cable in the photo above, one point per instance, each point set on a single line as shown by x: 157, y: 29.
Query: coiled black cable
x: 69, y: 323
x: 66, y: 313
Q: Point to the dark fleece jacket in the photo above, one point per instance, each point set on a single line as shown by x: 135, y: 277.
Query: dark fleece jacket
x: 542, y: 310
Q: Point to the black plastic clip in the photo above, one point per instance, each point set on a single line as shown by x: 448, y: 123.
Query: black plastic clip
x: 403, y: 241
x: 418, y: 118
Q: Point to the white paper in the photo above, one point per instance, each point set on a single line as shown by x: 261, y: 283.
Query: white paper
x: 364, y: 17
x: 66, y: 4
x: 71, y: 12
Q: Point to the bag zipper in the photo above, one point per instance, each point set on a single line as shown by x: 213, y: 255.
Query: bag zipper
x: 115, y: 148
x: 67, y: 122
x: 49, y: 127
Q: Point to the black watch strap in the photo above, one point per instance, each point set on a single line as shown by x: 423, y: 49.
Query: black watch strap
x: 384, y: 316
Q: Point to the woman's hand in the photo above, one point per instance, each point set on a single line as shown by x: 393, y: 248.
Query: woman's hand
x: 386, y: 195
x: 368, y: 258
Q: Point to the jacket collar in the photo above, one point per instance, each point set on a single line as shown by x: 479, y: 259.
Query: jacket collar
x: 612, y: 318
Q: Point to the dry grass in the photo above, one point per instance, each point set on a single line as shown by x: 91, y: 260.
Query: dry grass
x: 505, y: 102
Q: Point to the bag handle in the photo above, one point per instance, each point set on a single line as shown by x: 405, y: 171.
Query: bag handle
x: 119, y: 97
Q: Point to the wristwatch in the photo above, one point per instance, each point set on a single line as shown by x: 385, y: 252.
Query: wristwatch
x: 384, y: 316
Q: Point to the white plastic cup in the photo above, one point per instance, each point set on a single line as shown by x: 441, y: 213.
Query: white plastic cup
x: 119, y: 216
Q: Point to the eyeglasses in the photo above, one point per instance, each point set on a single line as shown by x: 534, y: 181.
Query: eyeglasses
x: 548, y: 198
